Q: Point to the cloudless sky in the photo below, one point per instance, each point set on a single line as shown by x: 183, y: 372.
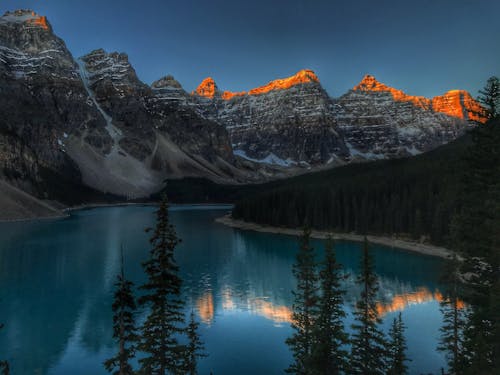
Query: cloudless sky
x: 423, y: 47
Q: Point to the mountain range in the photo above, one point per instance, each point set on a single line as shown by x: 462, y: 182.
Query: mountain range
x: 92, y: 123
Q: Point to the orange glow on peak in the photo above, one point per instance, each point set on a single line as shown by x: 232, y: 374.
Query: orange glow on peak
x: 455, y: 103
x: 303, y: 76
x: 227, y: 95
x: 207, y: 88
x: 460, y: 104
x: 38, y: 21
x: 370, y: 83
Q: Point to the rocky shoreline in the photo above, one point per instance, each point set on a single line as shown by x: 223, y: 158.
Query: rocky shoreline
x: 395, y: 243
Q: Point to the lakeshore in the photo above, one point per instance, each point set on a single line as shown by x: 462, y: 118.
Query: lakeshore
x: 392, y: 242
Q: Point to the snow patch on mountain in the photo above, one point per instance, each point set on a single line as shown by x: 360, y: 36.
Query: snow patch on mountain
x: 270, y: 159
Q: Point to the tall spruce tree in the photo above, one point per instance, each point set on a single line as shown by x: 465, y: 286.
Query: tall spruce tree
x: 454, y: 319
x: 476, y: 236
x: 305, y: 309
x: 397, y: 348
x: 329, y: 354
x: 489, y: 97
x: 160, y: 333
x: 124, y: 330
x: 368, y: 353
x: 195, y: 348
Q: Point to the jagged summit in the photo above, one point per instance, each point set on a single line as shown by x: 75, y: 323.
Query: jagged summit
x: 166, y: 82
x: 209, y: 89
x: 302, y: 76
x: 370, y: 83
x: 26, y: 16
x: 455, y: 103
x: 460, y: 104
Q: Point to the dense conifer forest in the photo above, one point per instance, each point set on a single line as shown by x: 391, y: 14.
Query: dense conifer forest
x: 414, y: 196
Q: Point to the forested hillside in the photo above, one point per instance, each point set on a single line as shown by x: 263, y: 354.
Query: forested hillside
x: 413, y: 196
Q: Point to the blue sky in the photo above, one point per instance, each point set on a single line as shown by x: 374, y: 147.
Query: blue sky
x: 423, y: 47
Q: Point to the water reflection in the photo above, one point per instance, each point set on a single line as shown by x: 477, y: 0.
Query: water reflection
x: 56, y: 285
x: 205, y: 307
x: 256, y: 306
x: 262, y: 306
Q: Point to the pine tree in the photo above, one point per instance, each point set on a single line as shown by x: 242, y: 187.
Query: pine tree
x: 490, y: 98
x: 454, y: 320
x: 304, y: 307
x: 397, y: 348
x: 195, y: 348
x: 329, y: 355
x: 164, y: 325
x: 368, y: 351
x: 124, y: 330
x: 476, y: 237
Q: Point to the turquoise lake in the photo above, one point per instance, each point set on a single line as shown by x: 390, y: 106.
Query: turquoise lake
x: 57, y: 276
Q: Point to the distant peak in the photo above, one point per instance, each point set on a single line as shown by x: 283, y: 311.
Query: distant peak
x: 207, y: 88
x: 455, y: 103
x: 99, y: 51
x: 167, y: 81
x: 26, y: 16
x: 302, y: 76
x: 370, y: 83
x: 20, y: 13
x: 307, y: 75
x: 459, y: 103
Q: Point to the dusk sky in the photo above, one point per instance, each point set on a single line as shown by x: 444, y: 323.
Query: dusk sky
x: 423, y: 47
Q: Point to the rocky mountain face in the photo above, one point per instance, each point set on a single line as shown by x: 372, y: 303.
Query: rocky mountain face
x: 153, y: 138
x: 381, y: 122
x: 293, y: 121
x: 286, y: 122
x: 42, y: 100
x: 91, y: 121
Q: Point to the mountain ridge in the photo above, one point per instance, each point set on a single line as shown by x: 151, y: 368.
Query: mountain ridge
x: 92, y: 120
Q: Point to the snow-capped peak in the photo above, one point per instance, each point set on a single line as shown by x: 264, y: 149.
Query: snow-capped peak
x: 26, y: 16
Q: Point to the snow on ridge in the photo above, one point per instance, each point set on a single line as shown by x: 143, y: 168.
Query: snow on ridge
x: 367, y: 155
x: 113, y: 131
x: 270, y: 159
x: 413, y: 150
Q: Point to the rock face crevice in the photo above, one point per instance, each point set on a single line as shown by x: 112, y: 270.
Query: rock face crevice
x: 93, y: 121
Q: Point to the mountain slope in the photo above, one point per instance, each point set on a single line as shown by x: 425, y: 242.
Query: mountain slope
x: 94, y: 121
x: 18, y: 205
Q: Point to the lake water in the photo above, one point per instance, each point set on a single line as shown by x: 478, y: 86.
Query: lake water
x: 57, y: 276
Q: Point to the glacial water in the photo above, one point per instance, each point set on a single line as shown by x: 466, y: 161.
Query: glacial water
x: 57, y: 276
